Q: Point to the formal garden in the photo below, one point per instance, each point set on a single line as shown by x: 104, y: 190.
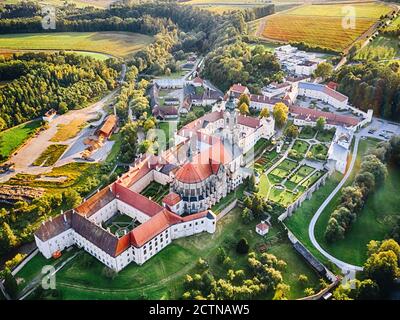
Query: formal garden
x: 156, y: 191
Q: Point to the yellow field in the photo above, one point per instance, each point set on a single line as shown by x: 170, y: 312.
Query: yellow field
x: 119, y: 44
x: 78, y: 3
x: 321, y: 25
x: 68, y: 131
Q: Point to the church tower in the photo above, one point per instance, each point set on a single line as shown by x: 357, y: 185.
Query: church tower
x: 230, y: 117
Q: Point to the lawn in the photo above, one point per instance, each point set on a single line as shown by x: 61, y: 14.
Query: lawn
x: 373, y: 222
x: 300, y: 146
x: 155, y: 191
x: 288, y: 165
x: 162, y: 276
x: 236, y: 194
x: 325, y: 135
x: 321, y: 25
x: 50, y: 155
x: 119, y: 44
x: 11, y: 139
x: 68, y: 131
x: 319, y: 151
x: 300, y: 219
x: 168, y: 129
x: 307, y: 132
x: 381, y: 48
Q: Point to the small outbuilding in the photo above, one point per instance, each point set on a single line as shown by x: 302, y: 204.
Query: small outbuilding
x: 262, y: 228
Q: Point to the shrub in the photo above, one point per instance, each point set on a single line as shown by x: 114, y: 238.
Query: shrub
x: 242, y: 246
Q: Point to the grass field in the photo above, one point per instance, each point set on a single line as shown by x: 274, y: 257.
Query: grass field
x: 162, y: 276
x: 321, y: 25
x: 68, y: 131
x: 119, y: 44
x: 381, y: 48
x: 50, y: 155
x: 373, y: 222
x: 14, y: 137
x: 78, y: 3
x: 394, y: 25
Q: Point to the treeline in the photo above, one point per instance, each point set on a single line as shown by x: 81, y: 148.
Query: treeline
x: 239, y: 63
x: 42, y: 81
x: 24, y: 9
x: 260, y: 275
x: 372, y: 85
x: 145, y: 24
x: 377, y: 279
x: 371, y: 176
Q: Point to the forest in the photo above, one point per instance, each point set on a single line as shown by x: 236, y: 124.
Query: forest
x: 39, y: 82
x: 372, y: 85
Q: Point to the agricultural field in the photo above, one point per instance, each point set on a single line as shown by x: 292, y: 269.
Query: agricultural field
x: 78, y: 3
x: 394, y: 25
x: 68, y: 131
x: 321, y: 25
x: 162, y: 276
x: 118, y: 44
x: 13, y: 138
x: 50, y: 155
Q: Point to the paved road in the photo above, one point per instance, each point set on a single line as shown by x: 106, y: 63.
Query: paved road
x: 341, y: 264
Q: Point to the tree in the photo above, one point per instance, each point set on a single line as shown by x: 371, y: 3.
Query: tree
x: 309, y: 292
x: 367, y: 290
x: 244, y: 98
x: 320, y: 123
x: 244, y: 109
x: 149, y: 124
x: 242, y: 246
x: 303, y: 279
x: 71, y: 198
x: 8, y: 239
x: 373, y: 165
x: 3, y: 124
x: 280, y: 113
x: 264, y: 113
x: 221, y: 254
x: 334, y: 231
x: 10, y: 284
x: 292, y: 131
x: 246, y: 215
x: 324, y: 70
x: 62, y: 107
x: 281, y: 292
x: 129, y: 141
x: 144, y: 146
x: 382, y: 267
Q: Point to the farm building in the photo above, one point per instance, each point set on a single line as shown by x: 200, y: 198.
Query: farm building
x: 108, y: 127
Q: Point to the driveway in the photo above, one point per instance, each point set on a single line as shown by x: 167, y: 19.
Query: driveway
x: 35, y: 146
x: 341, y: 264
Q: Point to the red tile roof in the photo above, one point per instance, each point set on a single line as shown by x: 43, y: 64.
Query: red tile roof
x: 193, y: 172
x: 160, y: 222
x: 331, y: 118
x: 97, y: 201
x: 238, y: 88
x: 334, y: 94
x: 109, y: 125
x: 171, y: 199
x: 248, y: 121
x: 137, y: 201
x: 262, y: 226
x: 332, y: 85
x: 198, y: 80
